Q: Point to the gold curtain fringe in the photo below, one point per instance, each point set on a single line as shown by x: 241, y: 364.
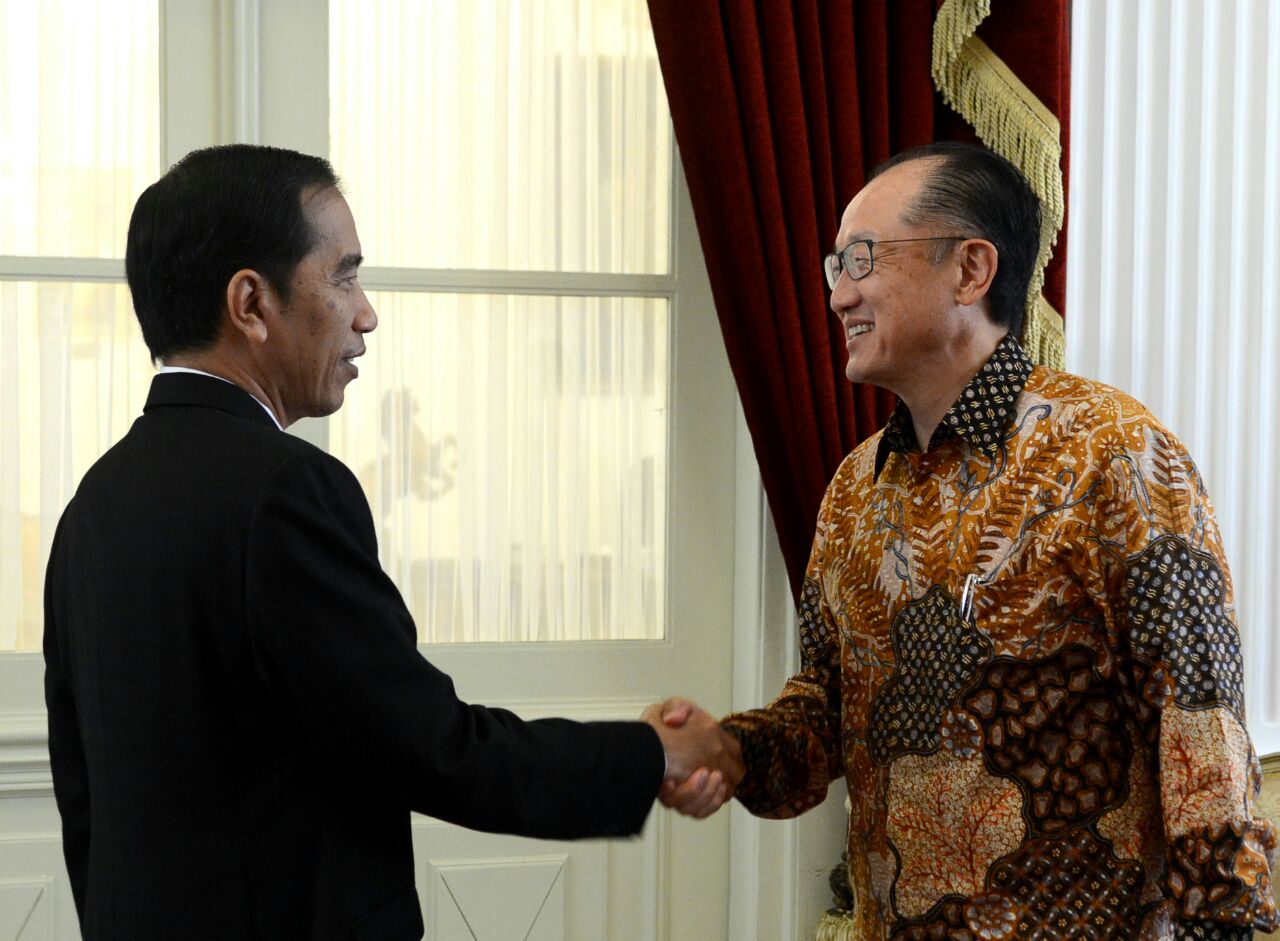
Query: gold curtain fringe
x: 955, y: 23
x: 836, y: 927
x: 1010, y: 120
x: 1043, y: 334
x: 975, y: 87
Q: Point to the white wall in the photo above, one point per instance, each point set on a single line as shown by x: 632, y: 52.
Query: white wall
x: 1174, y: 262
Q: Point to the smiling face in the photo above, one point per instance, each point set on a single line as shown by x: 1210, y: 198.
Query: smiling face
x: 315, y: 337
x: 901, y: 318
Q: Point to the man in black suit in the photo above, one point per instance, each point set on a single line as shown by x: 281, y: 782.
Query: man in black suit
x: 239, y: 719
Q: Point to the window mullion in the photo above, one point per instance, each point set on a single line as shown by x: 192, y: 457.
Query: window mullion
x: 32, y: 268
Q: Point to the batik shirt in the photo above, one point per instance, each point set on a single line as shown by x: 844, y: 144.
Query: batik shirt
x: 1019, y: 647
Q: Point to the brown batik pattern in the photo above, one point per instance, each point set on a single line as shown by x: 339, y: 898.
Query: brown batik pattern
x: 1069, y: 887
x: 1098, y: 676
x: 945, y: 923
x: 785, y: 759
x: 790, y: 768
x: 815, y: 631
x: 1205, y: 878
x: 1049, y: 727
x: 938, y: 655
x: 1210, y: 931
x: 1175, y: 597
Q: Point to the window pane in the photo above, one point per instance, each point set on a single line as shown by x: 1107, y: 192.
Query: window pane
x: 514, y: 134
x: 74, y: 373
x: 79, y: 123
x: 514, y: 452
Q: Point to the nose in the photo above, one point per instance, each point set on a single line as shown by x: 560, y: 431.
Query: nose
x: 845, y: 296
x: 366, y: 318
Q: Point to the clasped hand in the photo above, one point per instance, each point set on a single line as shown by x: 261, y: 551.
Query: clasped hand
x: 704, y: 762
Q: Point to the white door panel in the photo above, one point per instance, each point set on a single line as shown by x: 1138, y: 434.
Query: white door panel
x: 35, y: 894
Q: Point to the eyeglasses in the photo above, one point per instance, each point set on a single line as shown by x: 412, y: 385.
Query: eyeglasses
x: 858, y: 259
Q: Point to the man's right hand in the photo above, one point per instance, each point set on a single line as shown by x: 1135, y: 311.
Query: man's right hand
x: 704, y: 762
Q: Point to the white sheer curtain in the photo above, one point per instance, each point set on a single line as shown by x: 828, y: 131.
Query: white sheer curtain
x: 520, y: 136
x: 79, y: 130
x: 513, y: 447
x: 513, y: 455
x: 1174, y: 283
x: 508, y: 134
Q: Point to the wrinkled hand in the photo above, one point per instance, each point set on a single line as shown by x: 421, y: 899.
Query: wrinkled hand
x: 704, y: 762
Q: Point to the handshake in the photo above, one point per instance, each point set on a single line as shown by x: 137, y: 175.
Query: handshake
x: 704, y: 762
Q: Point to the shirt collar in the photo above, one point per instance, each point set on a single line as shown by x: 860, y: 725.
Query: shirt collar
x: 985, y: 408
x: 169, y: 370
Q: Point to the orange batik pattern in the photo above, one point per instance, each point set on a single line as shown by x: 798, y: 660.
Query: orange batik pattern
x: 1020, y: 648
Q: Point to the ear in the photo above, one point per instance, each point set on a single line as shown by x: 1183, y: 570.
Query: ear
x: 978, y: 263
x: 251, y: 303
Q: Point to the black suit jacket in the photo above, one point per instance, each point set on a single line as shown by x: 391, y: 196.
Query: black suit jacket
x: 239, y: 718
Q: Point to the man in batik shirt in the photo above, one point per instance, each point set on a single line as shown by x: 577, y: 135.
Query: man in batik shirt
x: 1017, y: 624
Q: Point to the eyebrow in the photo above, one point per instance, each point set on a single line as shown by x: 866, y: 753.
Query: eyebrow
x: 348, y: 263
x: 857, y: 237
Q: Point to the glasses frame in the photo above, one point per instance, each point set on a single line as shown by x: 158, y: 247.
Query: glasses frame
x: 839, y: 257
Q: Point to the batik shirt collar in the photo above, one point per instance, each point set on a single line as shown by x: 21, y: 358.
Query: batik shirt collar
x: 980, y: 415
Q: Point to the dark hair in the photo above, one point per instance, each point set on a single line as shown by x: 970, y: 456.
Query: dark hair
x: 974, y: 191
x: 215, y: 212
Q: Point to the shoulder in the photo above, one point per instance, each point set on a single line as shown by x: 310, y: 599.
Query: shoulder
x: 1100, y: 433
x: 301, y: 467
x: 259, y: 453
x: 859, y: 465
x: 220, y: 462
x: 852, y: 484
x: 1089, y: 412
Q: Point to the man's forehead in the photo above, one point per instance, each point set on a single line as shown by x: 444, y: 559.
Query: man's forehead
x: 321, y: 201
x: 879, y: 206
x: 319, y: 192
x: 332, y: 223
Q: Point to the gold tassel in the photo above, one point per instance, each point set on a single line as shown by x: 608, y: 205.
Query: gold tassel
x: 836, y: 926
x: 1043, y: 334
x: 1010, y: 120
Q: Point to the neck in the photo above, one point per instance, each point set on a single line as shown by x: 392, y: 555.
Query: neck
x: 217, y: 362
x: 940, y: 383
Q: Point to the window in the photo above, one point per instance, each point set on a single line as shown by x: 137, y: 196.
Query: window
x: 535, y: 333
x: 510, y: 169
x: 513, y: 445
x: 79, y: 140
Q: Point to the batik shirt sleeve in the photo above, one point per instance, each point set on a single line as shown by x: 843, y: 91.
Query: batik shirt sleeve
x: 1166, y: 596
x: 792, y: 747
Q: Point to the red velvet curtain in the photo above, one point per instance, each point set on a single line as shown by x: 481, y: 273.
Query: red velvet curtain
x: 780, y: 109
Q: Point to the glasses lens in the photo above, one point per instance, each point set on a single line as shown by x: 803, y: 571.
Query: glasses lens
x: 857, y: 258
x: 831, y: 266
